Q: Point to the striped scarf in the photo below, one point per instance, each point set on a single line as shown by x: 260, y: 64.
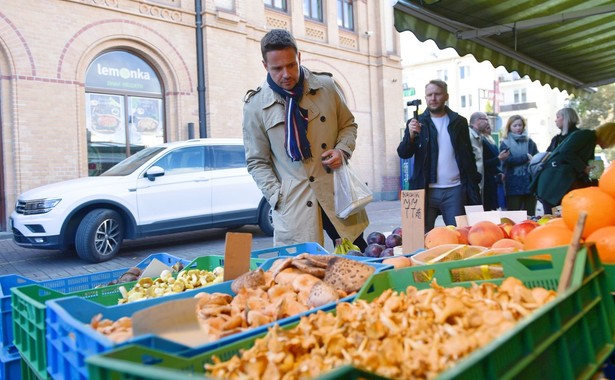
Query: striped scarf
x: 295, y: 118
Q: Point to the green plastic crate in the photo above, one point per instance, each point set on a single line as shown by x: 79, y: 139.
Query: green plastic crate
x: 110, y: 295
x: 610, y: 275
x: 567, y: 338
x: 27, y: 373
x: 141, y: 363
x: 29, y: 329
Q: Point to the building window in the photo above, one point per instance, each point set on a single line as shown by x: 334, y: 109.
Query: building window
x: 345, y: 15
x: 279, y: 5
x: 312, y: 9
x: 466, y: 101
x: 227, y: 5
x: 124, y: 109
x: 464, y: 72
x: 520, y: 96
x: 443, y: 75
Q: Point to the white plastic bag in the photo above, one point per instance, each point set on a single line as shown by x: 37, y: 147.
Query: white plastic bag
x: 350, y: 192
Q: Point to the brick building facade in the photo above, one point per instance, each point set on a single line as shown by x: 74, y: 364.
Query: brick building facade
x: 66, y: 91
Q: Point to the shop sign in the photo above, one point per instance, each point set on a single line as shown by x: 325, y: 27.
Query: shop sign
x: 120, y: 70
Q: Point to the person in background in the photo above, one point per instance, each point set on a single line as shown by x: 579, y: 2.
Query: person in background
x: 444, y: 164
x: 478, y: 124
x: 493, y: 174
x: 567, y: 168
x: 567, y: 121
x: 517, y: 149
x: 296, y: 129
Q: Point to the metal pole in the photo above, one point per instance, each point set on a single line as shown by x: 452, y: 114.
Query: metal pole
x: 200, y: 69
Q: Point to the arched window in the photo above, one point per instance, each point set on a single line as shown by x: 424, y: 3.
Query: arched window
x: 124, y: 109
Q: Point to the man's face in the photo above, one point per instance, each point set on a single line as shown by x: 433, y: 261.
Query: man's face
x: 283, y: 66
x: 436, y: 98
x: 481, y: 123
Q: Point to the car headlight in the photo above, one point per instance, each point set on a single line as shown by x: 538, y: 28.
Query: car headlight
x: 37, y: 206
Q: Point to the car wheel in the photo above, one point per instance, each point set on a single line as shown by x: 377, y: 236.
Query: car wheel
x: 265, y: 219
x: 99, y: 235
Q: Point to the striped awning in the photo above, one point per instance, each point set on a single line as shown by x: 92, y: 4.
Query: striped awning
x: 568, y: 44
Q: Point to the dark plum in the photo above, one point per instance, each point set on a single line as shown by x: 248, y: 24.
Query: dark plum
x: 393, y: 240
x: 397, y: 231
x: 387, y: 252
x: 374, y: 250
x: 354, y: 252
x: 376, y: 237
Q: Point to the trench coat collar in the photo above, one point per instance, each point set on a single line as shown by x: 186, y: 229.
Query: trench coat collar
x: 312, y: 83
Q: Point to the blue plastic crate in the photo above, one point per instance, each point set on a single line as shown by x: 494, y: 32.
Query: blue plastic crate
x: 297, y: 249
x: 10, y: 364
x: 6, y: 320
x: 70, y: 340
x: 62, y: 285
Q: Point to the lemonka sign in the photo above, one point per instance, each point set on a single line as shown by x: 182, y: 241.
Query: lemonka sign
x: 122, y: 71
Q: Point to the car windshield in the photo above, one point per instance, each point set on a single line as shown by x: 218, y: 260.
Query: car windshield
x: 132, y: 163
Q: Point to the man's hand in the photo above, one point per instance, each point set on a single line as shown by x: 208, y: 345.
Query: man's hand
x: 414, y: 127
x: 332, y: 158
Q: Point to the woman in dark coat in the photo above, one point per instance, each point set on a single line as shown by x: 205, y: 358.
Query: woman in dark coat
x: 566, y: 120
x: 568, y: 167
x: 565, y: 168
x: 517, y: 151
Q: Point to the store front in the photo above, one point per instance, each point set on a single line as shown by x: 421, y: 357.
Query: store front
x: 124, y: 109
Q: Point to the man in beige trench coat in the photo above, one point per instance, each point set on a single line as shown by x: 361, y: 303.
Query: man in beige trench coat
x: 296, y: 130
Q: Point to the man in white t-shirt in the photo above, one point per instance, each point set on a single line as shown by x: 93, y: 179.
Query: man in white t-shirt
x: 444, y: 163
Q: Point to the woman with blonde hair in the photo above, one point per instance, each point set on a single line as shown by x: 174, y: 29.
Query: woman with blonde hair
x: 567, y: 121
x: 516, y: 151
x: 567, y: 167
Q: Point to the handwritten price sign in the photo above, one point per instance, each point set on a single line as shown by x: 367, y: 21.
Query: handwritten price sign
x: 413, y: 220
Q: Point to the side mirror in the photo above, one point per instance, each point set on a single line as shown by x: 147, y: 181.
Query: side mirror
x: 153, y: 172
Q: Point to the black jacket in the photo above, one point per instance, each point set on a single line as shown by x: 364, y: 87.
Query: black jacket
x: 424, y: 149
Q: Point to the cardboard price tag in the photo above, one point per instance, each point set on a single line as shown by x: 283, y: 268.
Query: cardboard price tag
x: 237, y: 250
x: 173, y: 320
x: 413, y: 220
x: 155, y: 268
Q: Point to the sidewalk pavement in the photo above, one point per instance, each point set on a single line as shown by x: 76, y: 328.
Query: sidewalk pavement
x: 43, y: 265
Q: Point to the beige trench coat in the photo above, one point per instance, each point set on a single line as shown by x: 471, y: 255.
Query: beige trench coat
x: 295, y: 189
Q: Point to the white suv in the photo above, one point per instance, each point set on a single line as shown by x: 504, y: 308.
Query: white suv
x: 174, y: 187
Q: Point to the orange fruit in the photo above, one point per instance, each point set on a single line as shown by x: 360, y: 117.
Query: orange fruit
x: 605, y: 243
x: 557, y: 222
x: 600, y: 208
x: 547, y: 237
x: 441, y: 235
x: 508, y: 243
x: 607, y: 180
